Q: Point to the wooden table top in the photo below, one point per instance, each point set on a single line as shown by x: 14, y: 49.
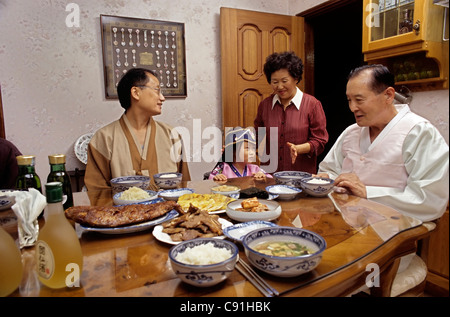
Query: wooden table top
x: 358, y: 233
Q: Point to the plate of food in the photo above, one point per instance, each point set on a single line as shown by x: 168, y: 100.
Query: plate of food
x: 123, y: 219
x: 251, y: 209
x: 196, y: 223
x: 212, y: 203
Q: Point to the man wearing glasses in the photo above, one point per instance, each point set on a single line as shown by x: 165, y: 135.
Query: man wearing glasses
x: 135, y: 144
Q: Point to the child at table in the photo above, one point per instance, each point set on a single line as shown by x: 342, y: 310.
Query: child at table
x: 238, y: 157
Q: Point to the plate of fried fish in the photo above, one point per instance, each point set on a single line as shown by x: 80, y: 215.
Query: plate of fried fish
x: 125, y: 218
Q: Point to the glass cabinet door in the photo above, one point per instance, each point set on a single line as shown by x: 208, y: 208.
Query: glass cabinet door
x: 391, y: 18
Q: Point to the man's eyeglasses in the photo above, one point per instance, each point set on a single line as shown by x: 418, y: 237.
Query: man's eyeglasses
x: 158, y: 90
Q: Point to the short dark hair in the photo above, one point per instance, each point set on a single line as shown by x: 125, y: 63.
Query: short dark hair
x: 133, y: 77
x: 285, y: 60
x: 382, y: 78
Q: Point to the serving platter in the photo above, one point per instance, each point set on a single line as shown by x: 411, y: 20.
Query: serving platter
x: 133, y: 228
x: 243, y: 216
x: 164, y: 237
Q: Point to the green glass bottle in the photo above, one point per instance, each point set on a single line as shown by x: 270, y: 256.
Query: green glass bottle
x: 27, y: 177
x: 58, y: 174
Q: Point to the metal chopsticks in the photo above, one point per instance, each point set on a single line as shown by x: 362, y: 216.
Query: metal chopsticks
x: 256, y: 280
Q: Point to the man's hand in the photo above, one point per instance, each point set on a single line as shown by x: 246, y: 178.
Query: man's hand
x: 352, y: 183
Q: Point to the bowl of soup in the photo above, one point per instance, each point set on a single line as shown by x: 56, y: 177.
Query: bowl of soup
x: 284, y: 251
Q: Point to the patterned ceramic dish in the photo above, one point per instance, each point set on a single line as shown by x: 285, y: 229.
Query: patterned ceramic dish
x: 287, y: 266
x: 174, y: 194
x: 244, y: 216
x: 118, y: 201
x: 238, y: 231
x: 204, y: 275
x: 167, y: 180
x: 317, y: 186
x: 6, y: 201
x: 290, y: 178
x: 284, y: 192
x: 81, y: 146
x: 121, y: 184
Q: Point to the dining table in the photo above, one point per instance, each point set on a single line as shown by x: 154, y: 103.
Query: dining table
x: 364, y: 242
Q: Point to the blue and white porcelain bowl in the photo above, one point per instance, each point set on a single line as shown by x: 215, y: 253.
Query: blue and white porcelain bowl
x: 284, y: 266
x: 208, y: 274
x: 284, y: 192
x: 317, y: 186
x: 290, y: 178
x: 6, y: 201
x: 122, y: 183
x: 167, y: 180
x: 174, y: 194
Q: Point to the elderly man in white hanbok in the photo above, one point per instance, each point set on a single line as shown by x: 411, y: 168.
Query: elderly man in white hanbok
x: 390, y: 155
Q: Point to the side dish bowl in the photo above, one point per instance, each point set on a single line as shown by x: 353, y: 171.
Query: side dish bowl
x: 119, y: 201
x: 284, y: 192
x: 284, y: 266
x: 174, y: 194
x: 226, y: 190
x: 167, y: 180
x: 204, y: 275
x: 290, y: 178
x: 122, y: 183
x: 317, y: 186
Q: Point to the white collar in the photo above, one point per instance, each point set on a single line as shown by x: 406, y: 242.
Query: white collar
x: 297, y: 100
x: 366, y: 145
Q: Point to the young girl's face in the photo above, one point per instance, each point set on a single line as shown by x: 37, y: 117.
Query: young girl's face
x: 247, y: 153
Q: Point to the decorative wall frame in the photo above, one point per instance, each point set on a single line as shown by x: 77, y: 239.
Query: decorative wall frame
x: 152, y: 44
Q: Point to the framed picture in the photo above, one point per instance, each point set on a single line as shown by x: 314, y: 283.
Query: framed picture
x: 151, y: 44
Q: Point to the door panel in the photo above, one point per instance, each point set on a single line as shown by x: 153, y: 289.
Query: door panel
x: 247, y: 38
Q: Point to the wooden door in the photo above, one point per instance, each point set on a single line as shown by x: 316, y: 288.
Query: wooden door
x: 247, y: 38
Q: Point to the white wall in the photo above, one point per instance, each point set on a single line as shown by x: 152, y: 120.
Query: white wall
x: 52, y: 79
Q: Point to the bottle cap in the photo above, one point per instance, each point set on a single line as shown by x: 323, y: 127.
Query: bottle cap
x: 54, y: 192
x: 25, y: 159
x: 57, y: 159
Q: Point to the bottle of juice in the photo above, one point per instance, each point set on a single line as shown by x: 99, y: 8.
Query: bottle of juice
x: 10, y: 264
x: 59, y: 260
x: 58, y: 174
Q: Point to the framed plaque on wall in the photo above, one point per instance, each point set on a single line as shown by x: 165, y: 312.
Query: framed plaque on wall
x: 156, y: 45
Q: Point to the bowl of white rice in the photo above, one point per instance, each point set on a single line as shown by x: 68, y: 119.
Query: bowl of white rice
x: 203, y: 262
x: 134, y: 195
x: 317, y: 186
x: 167, y: 180
x: 284, y: 192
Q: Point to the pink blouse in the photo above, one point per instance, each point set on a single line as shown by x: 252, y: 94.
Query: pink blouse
x: 229, y: 172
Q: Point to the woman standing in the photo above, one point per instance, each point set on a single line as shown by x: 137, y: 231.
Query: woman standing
x: 295, y: 118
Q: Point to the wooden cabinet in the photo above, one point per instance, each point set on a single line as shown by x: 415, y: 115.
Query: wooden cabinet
x: 411, y: 38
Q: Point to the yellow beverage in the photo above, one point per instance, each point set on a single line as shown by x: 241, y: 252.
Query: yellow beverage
x: 59, y: 260
x: 10, y: 264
